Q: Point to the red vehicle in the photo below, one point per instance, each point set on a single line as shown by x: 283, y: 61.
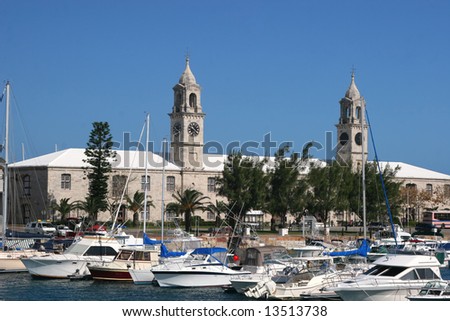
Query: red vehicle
x: 98, y: 229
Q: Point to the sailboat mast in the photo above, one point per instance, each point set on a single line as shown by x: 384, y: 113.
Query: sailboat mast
x: 5, y: 169
x: 146, y: 171
x: 363, y: 173
x: 162, y: 188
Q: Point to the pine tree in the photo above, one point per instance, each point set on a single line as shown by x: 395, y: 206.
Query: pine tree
x: 99, y: 155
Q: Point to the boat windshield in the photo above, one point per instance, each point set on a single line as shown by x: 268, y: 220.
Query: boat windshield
x: 100, y: 250
x: 420, y: 274
x: 124, y: 254
x: 383, y: 270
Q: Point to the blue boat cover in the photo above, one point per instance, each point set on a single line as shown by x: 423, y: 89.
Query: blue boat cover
x: 362, y: 250
x: 209, y: 250
x: 149, y: 241
x: 166, y: 253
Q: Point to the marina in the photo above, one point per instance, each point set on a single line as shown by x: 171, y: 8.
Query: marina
x: 222, y: 216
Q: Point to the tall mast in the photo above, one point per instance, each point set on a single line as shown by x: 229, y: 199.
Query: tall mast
x: 162, y: 188
x: 363, y: 110
x: 5, y: 170
x: 146, y: 170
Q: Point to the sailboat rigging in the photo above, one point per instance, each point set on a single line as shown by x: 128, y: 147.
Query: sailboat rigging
x: 388, y: 206
x: 5, y: 169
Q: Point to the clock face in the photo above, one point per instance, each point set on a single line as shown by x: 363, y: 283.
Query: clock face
x: 193, y: 129
x: 176, y: 129
x: 343, y: 139
x: 358, y: 139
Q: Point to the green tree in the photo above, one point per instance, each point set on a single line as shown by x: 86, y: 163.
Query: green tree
x: 136, y: 205
x: 285, y: 189
x: 325, y: 190
x: 244, y: 184
x: 99, y: 155
x: 64, y: 207
x: 187, y: 202
x: 218, y: 208
x: 375, y: 200
x: 90, y: 206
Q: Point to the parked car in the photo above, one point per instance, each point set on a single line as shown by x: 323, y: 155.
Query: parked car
x: 427, y: 228
x: 376, y: 226
x: 64, y: 231
x: 38, y: 227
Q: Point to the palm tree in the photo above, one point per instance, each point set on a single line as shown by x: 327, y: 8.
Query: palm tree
x: 188, y: 202
x: 136, y: 204
x: 90, y: 205
x: 218, y: 208
x: 64, y: 207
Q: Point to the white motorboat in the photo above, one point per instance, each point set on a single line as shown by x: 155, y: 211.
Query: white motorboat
x: 433, y: 291
x: 74, y: 261
x: 264, y: 262
x: 203, y: 267
x: 392, y: 278
x: 306, y: 282
x: 131, y: 257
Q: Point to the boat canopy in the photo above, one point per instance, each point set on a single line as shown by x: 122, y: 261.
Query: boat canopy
x: 166, y: 253
x: 363, y: 249
x: 209, y: 250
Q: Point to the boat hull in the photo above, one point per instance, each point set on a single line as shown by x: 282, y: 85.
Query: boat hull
x: 194, y: 278
x: 59, y: 268
x: 110, y: 274
x: 378, y: 294
x: 142, y: 276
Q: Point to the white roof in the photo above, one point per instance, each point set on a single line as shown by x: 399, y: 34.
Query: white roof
x: 73, y: 158
x: 410, y: 171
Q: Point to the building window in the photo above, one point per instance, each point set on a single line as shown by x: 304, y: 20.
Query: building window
x: 411, y: 187
x: 193, y: 100
x: 429, y: 189
x: 119, y: 183
x: 66, y: 181
x: 145, y: 182
x: 358, y: 113
x: 170, y: 216
x: 26, y: 213
x: 210, y: 216
x: 447, y: 190
x: 170, y: 184
x: 211, y: 184
x: 26, y: 181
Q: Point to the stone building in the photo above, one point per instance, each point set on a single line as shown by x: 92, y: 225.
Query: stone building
x: 48, y: 178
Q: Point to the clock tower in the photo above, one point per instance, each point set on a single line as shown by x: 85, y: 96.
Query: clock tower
x: 352, y: 129
x: 186, y: 122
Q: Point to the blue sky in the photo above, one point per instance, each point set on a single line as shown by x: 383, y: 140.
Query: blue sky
x: 277, y: 67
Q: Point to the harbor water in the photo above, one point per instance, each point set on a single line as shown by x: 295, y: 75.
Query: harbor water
x: 22, y: 287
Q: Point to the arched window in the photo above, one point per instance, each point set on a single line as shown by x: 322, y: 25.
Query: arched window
x: 358, y: 113
x: 145, y: 182
x: 193, y: 100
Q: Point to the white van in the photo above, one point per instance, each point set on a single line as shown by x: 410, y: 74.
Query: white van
x: 39, y: 227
